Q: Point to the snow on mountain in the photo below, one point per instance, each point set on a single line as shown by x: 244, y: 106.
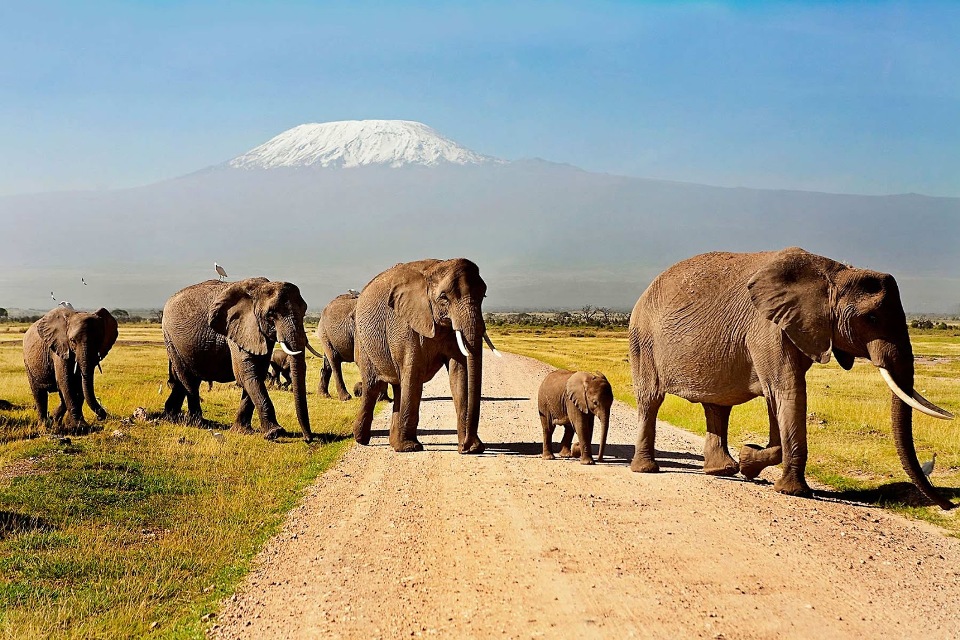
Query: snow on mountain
x: 356, y: 143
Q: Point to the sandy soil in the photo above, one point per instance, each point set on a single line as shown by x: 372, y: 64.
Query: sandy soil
x: 506, y: 544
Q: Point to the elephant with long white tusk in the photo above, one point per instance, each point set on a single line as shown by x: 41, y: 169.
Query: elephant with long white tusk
x: 722, y: 328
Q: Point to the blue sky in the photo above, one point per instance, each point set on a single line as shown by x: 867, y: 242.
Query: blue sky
x: 845, y: 97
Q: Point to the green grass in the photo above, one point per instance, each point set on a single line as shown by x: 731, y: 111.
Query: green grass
x: 850, y: 445
x: 145, y: 533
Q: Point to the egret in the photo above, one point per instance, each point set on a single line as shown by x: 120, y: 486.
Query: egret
x: 353, y: 292
x: 53, y: 297
x: 927, y: 467
x: 220, y: 271
x: 65, y: 304
x: 83, y: 281
x: 217, y: 436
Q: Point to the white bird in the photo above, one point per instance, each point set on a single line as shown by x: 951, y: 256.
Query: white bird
x: 160, y: 389
x: 217, y: 436
x: 83, y: 281
x: 53, y: 297
x: 353, y: 292
x: 927, y: 467
x: 223, y: 274
x: 65, y: 304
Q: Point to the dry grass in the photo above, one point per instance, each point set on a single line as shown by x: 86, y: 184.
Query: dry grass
x: 851, y: 448
x: 144, y: 533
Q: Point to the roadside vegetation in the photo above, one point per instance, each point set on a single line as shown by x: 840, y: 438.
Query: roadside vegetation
x: 143, y: 527
x: 851, y: 447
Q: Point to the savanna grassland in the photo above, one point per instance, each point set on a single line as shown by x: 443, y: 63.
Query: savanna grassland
x: 850, y: 445
x: 142, y: 527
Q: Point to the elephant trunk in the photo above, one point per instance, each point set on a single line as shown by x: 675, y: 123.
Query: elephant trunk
x: 604, y: 427
x: 897, y: 364
x: 472, y: 329
x: 298, y: 375
x: 87, y: 361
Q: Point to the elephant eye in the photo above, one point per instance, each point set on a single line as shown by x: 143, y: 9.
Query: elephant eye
x: 443, y: 296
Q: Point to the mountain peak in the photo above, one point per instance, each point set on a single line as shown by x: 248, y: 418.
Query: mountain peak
x: 356, y: 143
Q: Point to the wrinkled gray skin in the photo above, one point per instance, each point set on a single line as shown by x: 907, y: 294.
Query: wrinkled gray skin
x: 61, y: 350
x: 358, y: 393
x: 335, y: 332
x: 722, y: 328
x: 405, y: 321
x: 279, y: 373
x: 223, y: 332
x: 571, y: 400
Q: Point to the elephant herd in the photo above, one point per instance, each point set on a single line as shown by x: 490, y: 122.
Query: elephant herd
x: 716, y: 329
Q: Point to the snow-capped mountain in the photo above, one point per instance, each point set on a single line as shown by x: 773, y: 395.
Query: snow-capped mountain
x: 357, y: 143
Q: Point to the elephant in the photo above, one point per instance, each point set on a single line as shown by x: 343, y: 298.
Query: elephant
x: 358, y: 393
x: 226, y: 332
x: 571, y: 400
x: 60, y: 352
x: 279, y: 373
x: 722, y: 328
x: 411, y: 320
x: 335, y: 332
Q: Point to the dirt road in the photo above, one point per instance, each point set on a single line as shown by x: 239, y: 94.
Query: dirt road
x: 435, y: 544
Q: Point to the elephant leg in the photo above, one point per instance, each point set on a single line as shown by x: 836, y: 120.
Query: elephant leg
x: 59, y: 412
x: 253, y: 386
x: 754, y: 458
x: 791, y: 408
x: 716, y: 458
x: 467, y: 439
x: 368, y: 402
x: 644, y: 455
x: 584, y: 447
x: 173, y: 407
x: 404, y: 437
x: 566, y: 441
x: 243, y: 422
x: 323, y: 388
x: 547, y: 422
x: 40, y: 400
x: 338, y: 380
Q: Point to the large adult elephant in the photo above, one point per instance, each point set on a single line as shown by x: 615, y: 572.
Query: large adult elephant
x: 221, y: 332
x: 411, y: 320
x: 722, y: 328
x: 61, y: 350
x: 335, y: 332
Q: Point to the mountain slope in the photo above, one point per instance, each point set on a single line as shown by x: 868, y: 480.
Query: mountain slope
x: 357, y: 143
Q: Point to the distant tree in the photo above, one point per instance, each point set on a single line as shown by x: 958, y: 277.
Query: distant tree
x: 122, y: 315
x: 3, y: 314
x: 158, y: 316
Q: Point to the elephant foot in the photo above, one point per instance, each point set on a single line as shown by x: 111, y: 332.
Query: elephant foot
x: 324, y: 394
x: 472, y: 446
x: 575, y: 451
x: 728, y: 467
x: 754, y: 459
x: 640, y: 465
x: 345, y: 397
x: 548, y: 455
x: 408, y: 446
x: 273, y: 433
x: 565, y: 452
x: 242, y: 428
x: 587, y: 461
x: 793, y: 487
x: 101, y: 414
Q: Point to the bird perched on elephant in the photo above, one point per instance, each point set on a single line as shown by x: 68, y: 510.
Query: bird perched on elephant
x: 335, y: 333
x: 411, y: 320
x: 571, y: 400
x: 279, y: 373
x: 722, y: 328
x: 61, y: 350
x: 223, y: 332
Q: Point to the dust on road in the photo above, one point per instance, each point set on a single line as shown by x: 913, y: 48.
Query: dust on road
x: 505, y: 544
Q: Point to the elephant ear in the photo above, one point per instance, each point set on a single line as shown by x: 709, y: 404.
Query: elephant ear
x: 410, y: 300
x: 110, y: 331
x: 793, y: 291
x: 53, y: 331
x: 577, y: 390
x: 234, y: 315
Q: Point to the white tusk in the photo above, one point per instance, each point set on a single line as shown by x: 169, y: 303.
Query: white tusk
x: 911, y: 400
x: 313, y: 351
x: 463, y: 348
x: 490, y: 344
x: 288, y: 351
x: 76, y: 365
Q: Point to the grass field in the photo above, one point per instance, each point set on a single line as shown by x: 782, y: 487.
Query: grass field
x: 145, y: 532
x: 850, y: 445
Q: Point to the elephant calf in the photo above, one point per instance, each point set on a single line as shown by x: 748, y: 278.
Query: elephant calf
x: 279, y: 373
x: 572, y: 399
x: 358, y: 393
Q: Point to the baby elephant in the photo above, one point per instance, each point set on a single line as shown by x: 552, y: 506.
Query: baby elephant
x: 358, y: 392
x: 572, y: 399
